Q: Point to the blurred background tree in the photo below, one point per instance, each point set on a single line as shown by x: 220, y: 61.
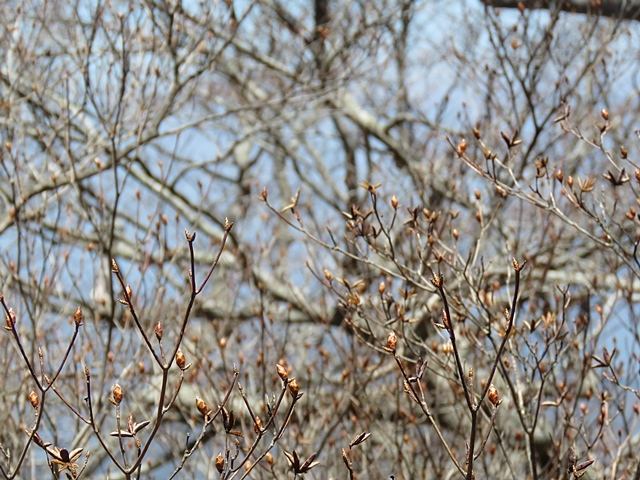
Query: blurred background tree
x: 362, y: 149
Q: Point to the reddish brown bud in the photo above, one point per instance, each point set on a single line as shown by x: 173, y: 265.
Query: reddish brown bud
x: 33, y: 398
x: 11, y: 320
x: 570, y: 181
x: 257, y: 426
x: 219, y: 463
x: 605, y: 113
x: 559, y: 176
x: 394, y: 202
x: 392, y: 341
x: 282, y: 372
x: 381, y: 288
x: 117, y: 394
x: 624, y: 152
x: 202, y: 406
x: 78, y: 316
x: 294, y: 388
x: 494, y: 397
x: 270, y: 460
x: 462, y: 146
x: 158, y: 331
x: 476, y: 133
x: 181, y: 360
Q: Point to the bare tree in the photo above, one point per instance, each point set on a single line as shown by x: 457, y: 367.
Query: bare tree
x: 432, y: 269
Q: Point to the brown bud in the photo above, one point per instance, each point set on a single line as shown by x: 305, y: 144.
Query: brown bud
x: 158, y: 331
x: 202, y: 406
x: 327, y: 275
x: 270, y: 460
x: 282, y: 372
x: 476, y: 193
x: 392, y: 341
x: 638, y: 176
x: 605, y: 113
x: 223, y: 343
x: 11, y: 320
x: 181, y: 360
x: 33, y: 398
x: 455, y: 233
x: 294, y: 388
x: 559, y: 176
x: 462, y: 146
x: 394, y: 202
x: 476, y: 133
x: 624, y: 152
x: 381, y: 288
x: 494, y: 397
x: 128, y: 291
x: 257, y: 426
x: 219, y: 463
x: 117, y: 394
x: 570, y: 181
x: 445, y: 320
x: 265, y: 194
x: 77, y: 317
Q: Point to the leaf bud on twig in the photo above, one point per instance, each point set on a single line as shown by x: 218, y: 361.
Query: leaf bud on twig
x: 11, y: 320
x: 117, y: 394
x: 219, y: 463
x: 34, y: 400
x: 282, y: 372
x: 158, y: 331
x: 494, y: 397
x: 78, y: 316
x: 294, y: 388
x: 202, y: 407
x: 392, y: 341
x: 181, y: 360
x: 624, y: 152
